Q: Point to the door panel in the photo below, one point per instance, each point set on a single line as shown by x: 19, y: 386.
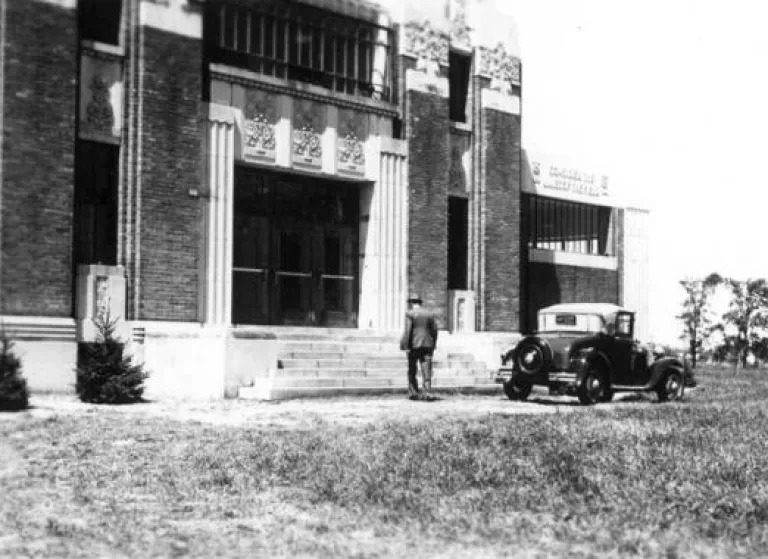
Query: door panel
x: 250, y: 256
x: 293, y: 277
x: 295, y: 250
x: 338, y: 277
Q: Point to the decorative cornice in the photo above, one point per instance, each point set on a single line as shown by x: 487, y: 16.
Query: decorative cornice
x: 460, y: 30
x: 301, y: 90
x: 501, y: 67
x: 426, y: 43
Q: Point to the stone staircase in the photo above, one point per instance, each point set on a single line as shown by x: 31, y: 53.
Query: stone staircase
x: 352, y: 362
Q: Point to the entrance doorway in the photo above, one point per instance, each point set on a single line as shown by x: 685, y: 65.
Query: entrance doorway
x: 295, y: 253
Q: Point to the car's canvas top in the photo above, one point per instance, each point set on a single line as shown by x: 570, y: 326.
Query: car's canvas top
x: 602, y: 309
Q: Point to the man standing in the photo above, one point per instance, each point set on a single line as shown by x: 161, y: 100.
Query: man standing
x: 419, y: 341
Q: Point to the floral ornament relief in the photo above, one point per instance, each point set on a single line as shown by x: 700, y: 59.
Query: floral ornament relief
x: 259, y: 125
x: 103, y: 298
x: 307, y: 126
x: 501, y: 67
x: 99, y: 116
x: 428, y: 44
x: 460, y: 30
x: 350, y: 154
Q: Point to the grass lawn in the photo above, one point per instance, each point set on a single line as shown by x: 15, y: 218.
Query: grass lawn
x: 688, y: 479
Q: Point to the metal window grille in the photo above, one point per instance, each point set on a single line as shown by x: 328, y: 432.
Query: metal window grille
x: 570, y: 226
x: 294, y: 41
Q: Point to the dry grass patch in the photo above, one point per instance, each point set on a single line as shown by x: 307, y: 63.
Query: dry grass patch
x: 635, y: 479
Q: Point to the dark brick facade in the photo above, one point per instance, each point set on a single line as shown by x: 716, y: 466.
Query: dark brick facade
x: 39, y: 115
x: 549, y: 284
x: 500, y: 177
x: 428, y: 133
x: 172, y: 160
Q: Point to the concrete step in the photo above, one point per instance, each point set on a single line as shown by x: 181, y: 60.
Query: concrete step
x: 368, y: 382
x: 340, y: 346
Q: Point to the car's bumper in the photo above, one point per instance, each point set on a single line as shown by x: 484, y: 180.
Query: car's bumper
x: 506, y: 374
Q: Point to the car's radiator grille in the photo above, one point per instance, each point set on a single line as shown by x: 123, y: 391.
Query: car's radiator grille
x: 560, y: 359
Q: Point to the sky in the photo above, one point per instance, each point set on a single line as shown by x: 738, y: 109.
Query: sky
x: 670, y: 99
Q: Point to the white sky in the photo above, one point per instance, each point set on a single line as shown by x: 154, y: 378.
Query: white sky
x: 670, y: 99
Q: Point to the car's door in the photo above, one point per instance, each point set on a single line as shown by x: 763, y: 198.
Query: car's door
x: 623, y: 349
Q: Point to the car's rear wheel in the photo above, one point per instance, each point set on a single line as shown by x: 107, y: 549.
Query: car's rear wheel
x: 592, y: 389
x: 516, y: 390
x: 672, y: 387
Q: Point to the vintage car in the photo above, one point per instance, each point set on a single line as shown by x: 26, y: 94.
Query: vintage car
x: 588, y: 350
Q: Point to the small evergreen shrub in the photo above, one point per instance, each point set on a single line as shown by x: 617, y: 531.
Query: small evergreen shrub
x: 13, y: 386
x: 104, y: 375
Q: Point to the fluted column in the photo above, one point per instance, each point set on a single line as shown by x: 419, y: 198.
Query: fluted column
x: 218, y: 226
x: 383, y: 279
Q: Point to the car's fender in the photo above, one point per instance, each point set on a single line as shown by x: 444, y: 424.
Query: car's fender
x: 587, y: 358
x: 660, y: 366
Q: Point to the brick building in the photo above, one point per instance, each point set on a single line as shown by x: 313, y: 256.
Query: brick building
x: 254, y: 186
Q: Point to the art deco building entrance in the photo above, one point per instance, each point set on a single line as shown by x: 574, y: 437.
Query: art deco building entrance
x: 295, y: 250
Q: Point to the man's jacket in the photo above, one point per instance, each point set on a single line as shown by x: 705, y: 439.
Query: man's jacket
x: 420, y: 330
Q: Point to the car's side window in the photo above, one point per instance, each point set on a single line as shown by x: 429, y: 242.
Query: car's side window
x: 624, y: 325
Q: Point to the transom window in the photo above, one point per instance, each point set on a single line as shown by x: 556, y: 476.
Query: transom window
x: 569, y: 226
x: 295, y: 41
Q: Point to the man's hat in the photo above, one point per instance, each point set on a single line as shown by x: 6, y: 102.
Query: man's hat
x: 414, y: 298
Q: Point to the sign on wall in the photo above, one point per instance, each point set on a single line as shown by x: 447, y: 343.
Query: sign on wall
x: 555, y: 180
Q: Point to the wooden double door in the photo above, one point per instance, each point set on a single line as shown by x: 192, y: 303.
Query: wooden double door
x: 295, y: 250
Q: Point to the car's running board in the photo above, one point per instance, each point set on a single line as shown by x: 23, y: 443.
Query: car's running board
x: 631, y: 388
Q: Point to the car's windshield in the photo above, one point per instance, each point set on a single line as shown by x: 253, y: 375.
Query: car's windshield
x: 571, y: 322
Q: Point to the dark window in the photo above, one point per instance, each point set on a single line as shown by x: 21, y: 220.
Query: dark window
x: 295, y: 41
x: 96, y: 172
x: 99, y: 20
x: 458, y: 83
x: 569, y: 226
x: 458, y: 237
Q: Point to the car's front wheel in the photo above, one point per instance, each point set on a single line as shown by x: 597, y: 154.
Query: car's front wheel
x: 607, y: 395
x: 516, y: 390
x: 672, y: 387
x: 592, y: 389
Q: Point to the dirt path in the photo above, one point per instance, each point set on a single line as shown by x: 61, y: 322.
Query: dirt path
x: 304, y: 412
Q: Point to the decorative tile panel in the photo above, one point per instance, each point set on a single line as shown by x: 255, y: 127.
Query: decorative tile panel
x: 350, y: 148
x: 501, y: 67
x: 308, y: 127
x: 259, y: 125
x: 101, y: 99
x: 428, y: 44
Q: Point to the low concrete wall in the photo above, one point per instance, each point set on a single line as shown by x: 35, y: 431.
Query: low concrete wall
x: 184, y: 360
x: 485, y: 347
x: 47, y: 348
x: 251, y: 361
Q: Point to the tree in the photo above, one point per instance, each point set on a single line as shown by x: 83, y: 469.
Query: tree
x: 744, y: 324
x: 104, y: 374
x: 697, y: 321
x: 13, y: 386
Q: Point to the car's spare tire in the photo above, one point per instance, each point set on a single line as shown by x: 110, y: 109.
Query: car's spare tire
x: 532, y: 355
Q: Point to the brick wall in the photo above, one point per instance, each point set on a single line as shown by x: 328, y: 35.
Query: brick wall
x: 549, y: 284
x: 172, y: 159
x: 39, y: 115
x: 428, y: 132
x: 501, y: 215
